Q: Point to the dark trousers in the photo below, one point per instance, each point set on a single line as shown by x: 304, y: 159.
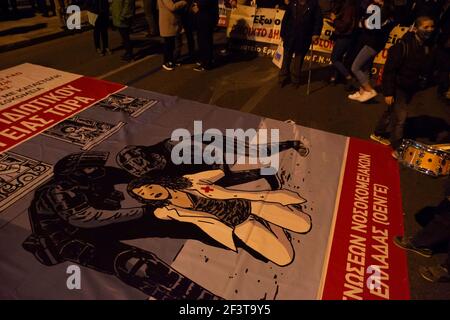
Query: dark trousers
x: 125, y: 35
x: 436, y: 232
x: 205, y: 36
x: 169, y: 48
x: 101, y: 32
x: 187, y: 22
x: 341, y: 46
x: 291, y: 66
x: 392, y: 122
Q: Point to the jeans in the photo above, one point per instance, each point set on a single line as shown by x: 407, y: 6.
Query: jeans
x: 341, y: 46
x: 392, y: 122
x: 361, y: 65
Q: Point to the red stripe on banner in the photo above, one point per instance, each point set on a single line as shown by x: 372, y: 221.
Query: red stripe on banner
x: 364, y: 263
x: 25, y: 120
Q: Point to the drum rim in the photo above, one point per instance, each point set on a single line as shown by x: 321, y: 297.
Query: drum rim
x: 422, y: 147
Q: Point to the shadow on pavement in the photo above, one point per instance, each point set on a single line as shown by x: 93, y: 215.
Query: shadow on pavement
x: 24, y: 29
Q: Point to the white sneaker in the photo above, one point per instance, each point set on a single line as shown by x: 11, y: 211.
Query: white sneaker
x: 169, y: 66
x: 367, y: 95
x: 354, y: 96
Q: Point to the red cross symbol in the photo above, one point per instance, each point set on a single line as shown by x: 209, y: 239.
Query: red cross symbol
x: 207, y: 189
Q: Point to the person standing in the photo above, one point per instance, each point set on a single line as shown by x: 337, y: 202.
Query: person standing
x: 408, y: 68
x: 151, y: 15
x: 170, y: 28
x: 206, y: 15
x: 101, y: 9
x: 302, y: 24
x: 435, y: 233
x: 344, y: 19
x: 373, y: 40
x: 122, y: 14
x: 60, y: 11
x: 188, y: 24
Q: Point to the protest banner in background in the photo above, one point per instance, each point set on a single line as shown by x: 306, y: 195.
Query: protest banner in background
x: 258, y: 30
x: 75, y: 191
x: 255, y: 29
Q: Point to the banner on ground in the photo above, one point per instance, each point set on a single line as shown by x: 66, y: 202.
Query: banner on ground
x: 85, y: 211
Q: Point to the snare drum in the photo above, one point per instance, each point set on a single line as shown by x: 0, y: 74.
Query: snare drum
x: 424, y: 158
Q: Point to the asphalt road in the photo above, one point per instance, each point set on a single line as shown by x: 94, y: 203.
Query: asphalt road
x: 249, y: 84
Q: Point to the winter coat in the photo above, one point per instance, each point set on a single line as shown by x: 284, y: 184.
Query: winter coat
x: 299, y: 24
x: 407, y: 66
x: 170, y: 17
x: 122, y: 13
x: 100, y: 7
x: 377, y: 38
x: 346, y: 20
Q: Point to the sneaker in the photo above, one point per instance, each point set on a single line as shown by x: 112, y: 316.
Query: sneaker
x: 354, y: 96
x: 108, y: 51
x: 169, y: 66
x: 127, y: 57
x: 406, y: 244
x: 437, y: 273
x: 380, y: 139
x: 100, y: 52
x: 395, y: 154
x: 199, y: 68
x: 367, y: 95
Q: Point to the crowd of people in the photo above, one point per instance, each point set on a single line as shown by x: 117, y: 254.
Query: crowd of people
x: 423, y: 54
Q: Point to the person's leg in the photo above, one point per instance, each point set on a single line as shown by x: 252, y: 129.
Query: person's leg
x: 434, y: 233
x: 202, y: 38
x: 382, y: 127
x: 125, y: 34
x: 400, y: 113
x: 169, y: 47
x: 358, y: 68
x: 283, y: 216
x: 96, y: 34
x: 285, y: 71
x: 149, y: 8
x: 297, y: 64
x: 341, y: 46
x: 188, y: 27
x: 60, y: 12
x: 104, y: 32
x: 271, y: 242
x: 210, y: 45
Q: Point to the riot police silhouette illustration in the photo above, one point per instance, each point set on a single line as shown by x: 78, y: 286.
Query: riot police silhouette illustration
x: 70, y: 216
x: 78, y: 216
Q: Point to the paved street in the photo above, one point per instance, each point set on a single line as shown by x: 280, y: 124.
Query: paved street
x: 249, y: 84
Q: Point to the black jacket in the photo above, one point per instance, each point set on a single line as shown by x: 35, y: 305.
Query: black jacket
x: 377, y: 38
x: 407, y: 66
x: 346, y: 20
x: 299, y: 24
x: 98, y: 7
